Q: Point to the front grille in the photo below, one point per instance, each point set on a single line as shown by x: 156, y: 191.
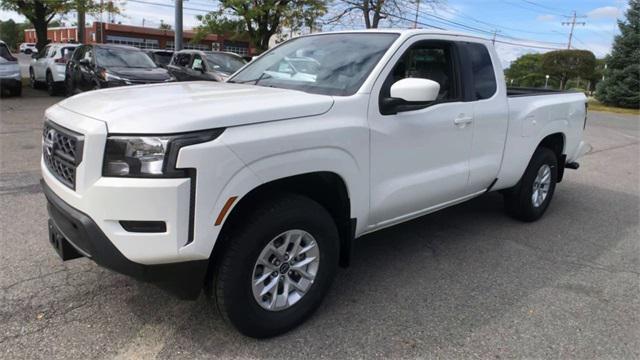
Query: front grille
x: 62, y: 152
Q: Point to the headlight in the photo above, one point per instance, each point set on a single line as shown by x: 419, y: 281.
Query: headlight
x: 107, y: 76
x: 149, y: 156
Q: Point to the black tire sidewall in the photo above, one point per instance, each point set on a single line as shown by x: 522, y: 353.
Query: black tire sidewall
x: 32, y: 79
x: 521, y: 203
x: 240, y: 307
x: 51, y: 85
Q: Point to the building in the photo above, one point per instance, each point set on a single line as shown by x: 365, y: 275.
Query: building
x: 142, y: 37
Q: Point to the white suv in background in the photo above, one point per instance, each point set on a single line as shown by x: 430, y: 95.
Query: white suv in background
x: 28, y: 48
x: 48, y: 67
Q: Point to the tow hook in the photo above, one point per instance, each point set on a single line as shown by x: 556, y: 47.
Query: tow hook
x: 572, y: 165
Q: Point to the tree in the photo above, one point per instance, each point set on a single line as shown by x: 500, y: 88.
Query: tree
x: 621, y: 85
x: 374, y: 11
x: 567, y: 64
x: 12, y: 33
x: 39, y: 13
x: 526, y: 71
x: 164, y: 26
x: 260, y: 19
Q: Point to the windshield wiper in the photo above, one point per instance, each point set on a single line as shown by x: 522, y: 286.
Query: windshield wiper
x: 254, y: 81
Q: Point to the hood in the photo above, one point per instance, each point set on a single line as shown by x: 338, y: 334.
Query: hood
x: 192, y: 106
x: 149, y: 74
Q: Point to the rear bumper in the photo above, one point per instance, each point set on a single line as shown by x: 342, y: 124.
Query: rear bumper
x: 183, y: 279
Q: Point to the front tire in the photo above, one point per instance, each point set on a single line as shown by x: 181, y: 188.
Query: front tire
x: 266, y: 283
x: 32, y: 79
x: 530, y: 198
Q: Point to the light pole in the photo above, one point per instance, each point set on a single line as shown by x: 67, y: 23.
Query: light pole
x: 546, y: 81
x: 177, y: 40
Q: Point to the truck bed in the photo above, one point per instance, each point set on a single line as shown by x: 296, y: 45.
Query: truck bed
x: 523, y: 91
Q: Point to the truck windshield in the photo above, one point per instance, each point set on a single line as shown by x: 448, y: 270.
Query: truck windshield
x: 331, y: 64
x: 225, y: 63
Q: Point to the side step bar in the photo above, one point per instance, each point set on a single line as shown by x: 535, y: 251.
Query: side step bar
x: 572, y: 165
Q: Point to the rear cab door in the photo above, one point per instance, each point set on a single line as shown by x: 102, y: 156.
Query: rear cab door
x: 487, y: 92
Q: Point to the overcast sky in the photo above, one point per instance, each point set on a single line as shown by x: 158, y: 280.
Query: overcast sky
x: 528, y: 25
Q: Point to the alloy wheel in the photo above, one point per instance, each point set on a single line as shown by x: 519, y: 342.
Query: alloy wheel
x: 285, y: 270
x: 541, y: 185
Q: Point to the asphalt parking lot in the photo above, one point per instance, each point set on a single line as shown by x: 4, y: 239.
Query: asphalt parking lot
x: 467, y: 282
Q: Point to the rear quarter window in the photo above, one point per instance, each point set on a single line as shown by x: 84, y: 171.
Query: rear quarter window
x: 484, y: 78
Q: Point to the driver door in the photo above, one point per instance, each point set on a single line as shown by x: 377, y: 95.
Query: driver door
x: 197, y: 69
x: 419, y: 156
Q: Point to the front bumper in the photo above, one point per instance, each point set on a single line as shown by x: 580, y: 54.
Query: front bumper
x: 183, y: 279
x: 10, y: 82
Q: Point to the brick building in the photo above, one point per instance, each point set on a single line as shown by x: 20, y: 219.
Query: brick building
x: 141, y: 37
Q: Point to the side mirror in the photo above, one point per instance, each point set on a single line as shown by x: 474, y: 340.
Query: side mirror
x: 408, y: 95
x: 415, y: 90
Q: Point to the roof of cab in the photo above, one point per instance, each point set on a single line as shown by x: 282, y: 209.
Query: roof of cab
x: 405, y: 33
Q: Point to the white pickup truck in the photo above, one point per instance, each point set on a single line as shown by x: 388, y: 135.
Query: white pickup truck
x: 254, y: 189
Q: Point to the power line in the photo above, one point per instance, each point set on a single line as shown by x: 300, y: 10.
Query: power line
x: 518, y: 5
x: 169, y: 6
x: 457, y: 12
x: 497, y: 41
x: 544, y: 6
x: 483, y: 31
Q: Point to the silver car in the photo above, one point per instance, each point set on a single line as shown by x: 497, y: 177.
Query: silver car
x: 10, y: 79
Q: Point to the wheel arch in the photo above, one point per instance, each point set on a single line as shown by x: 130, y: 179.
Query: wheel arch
x: 556, y: 142
x: 327, y: 188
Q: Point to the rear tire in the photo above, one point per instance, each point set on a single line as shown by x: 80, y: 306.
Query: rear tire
x: 52, y: 87
x: 530, y: 198
x: 68, y: 86
x: 234, y: 278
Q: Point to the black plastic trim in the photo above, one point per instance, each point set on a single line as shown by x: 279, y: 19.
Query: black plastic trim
x: 525, y: 91
x: 347, y: 243
x: 183, y: 279
x: 144, y: 226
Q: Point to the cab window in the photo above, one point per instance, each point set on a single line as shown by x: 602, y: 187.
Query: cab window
x: 197, y: 64
x: 484, y: 78
x: 88, y: 54
x: 182, y: 60
x: 79, y: 53
x: 433, y: 60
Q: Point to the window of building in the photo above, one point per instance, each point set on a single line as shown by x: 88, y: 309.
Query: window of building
x: 240, y: 50
x: 132, y: 41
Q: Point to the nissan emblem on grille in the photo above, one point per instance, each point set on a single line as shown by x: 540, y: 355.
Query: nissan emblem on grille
x: 62, y: 152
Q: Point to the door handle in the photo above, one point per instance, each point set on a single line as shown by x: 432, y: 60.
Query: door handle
x: 463, y: 120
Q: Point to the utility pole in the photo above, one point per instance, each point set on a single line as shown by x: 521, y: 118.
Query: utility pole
x: 177, y: 41
x: 495, y: 34
x: 573, y: 23
x: 415, y: 22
